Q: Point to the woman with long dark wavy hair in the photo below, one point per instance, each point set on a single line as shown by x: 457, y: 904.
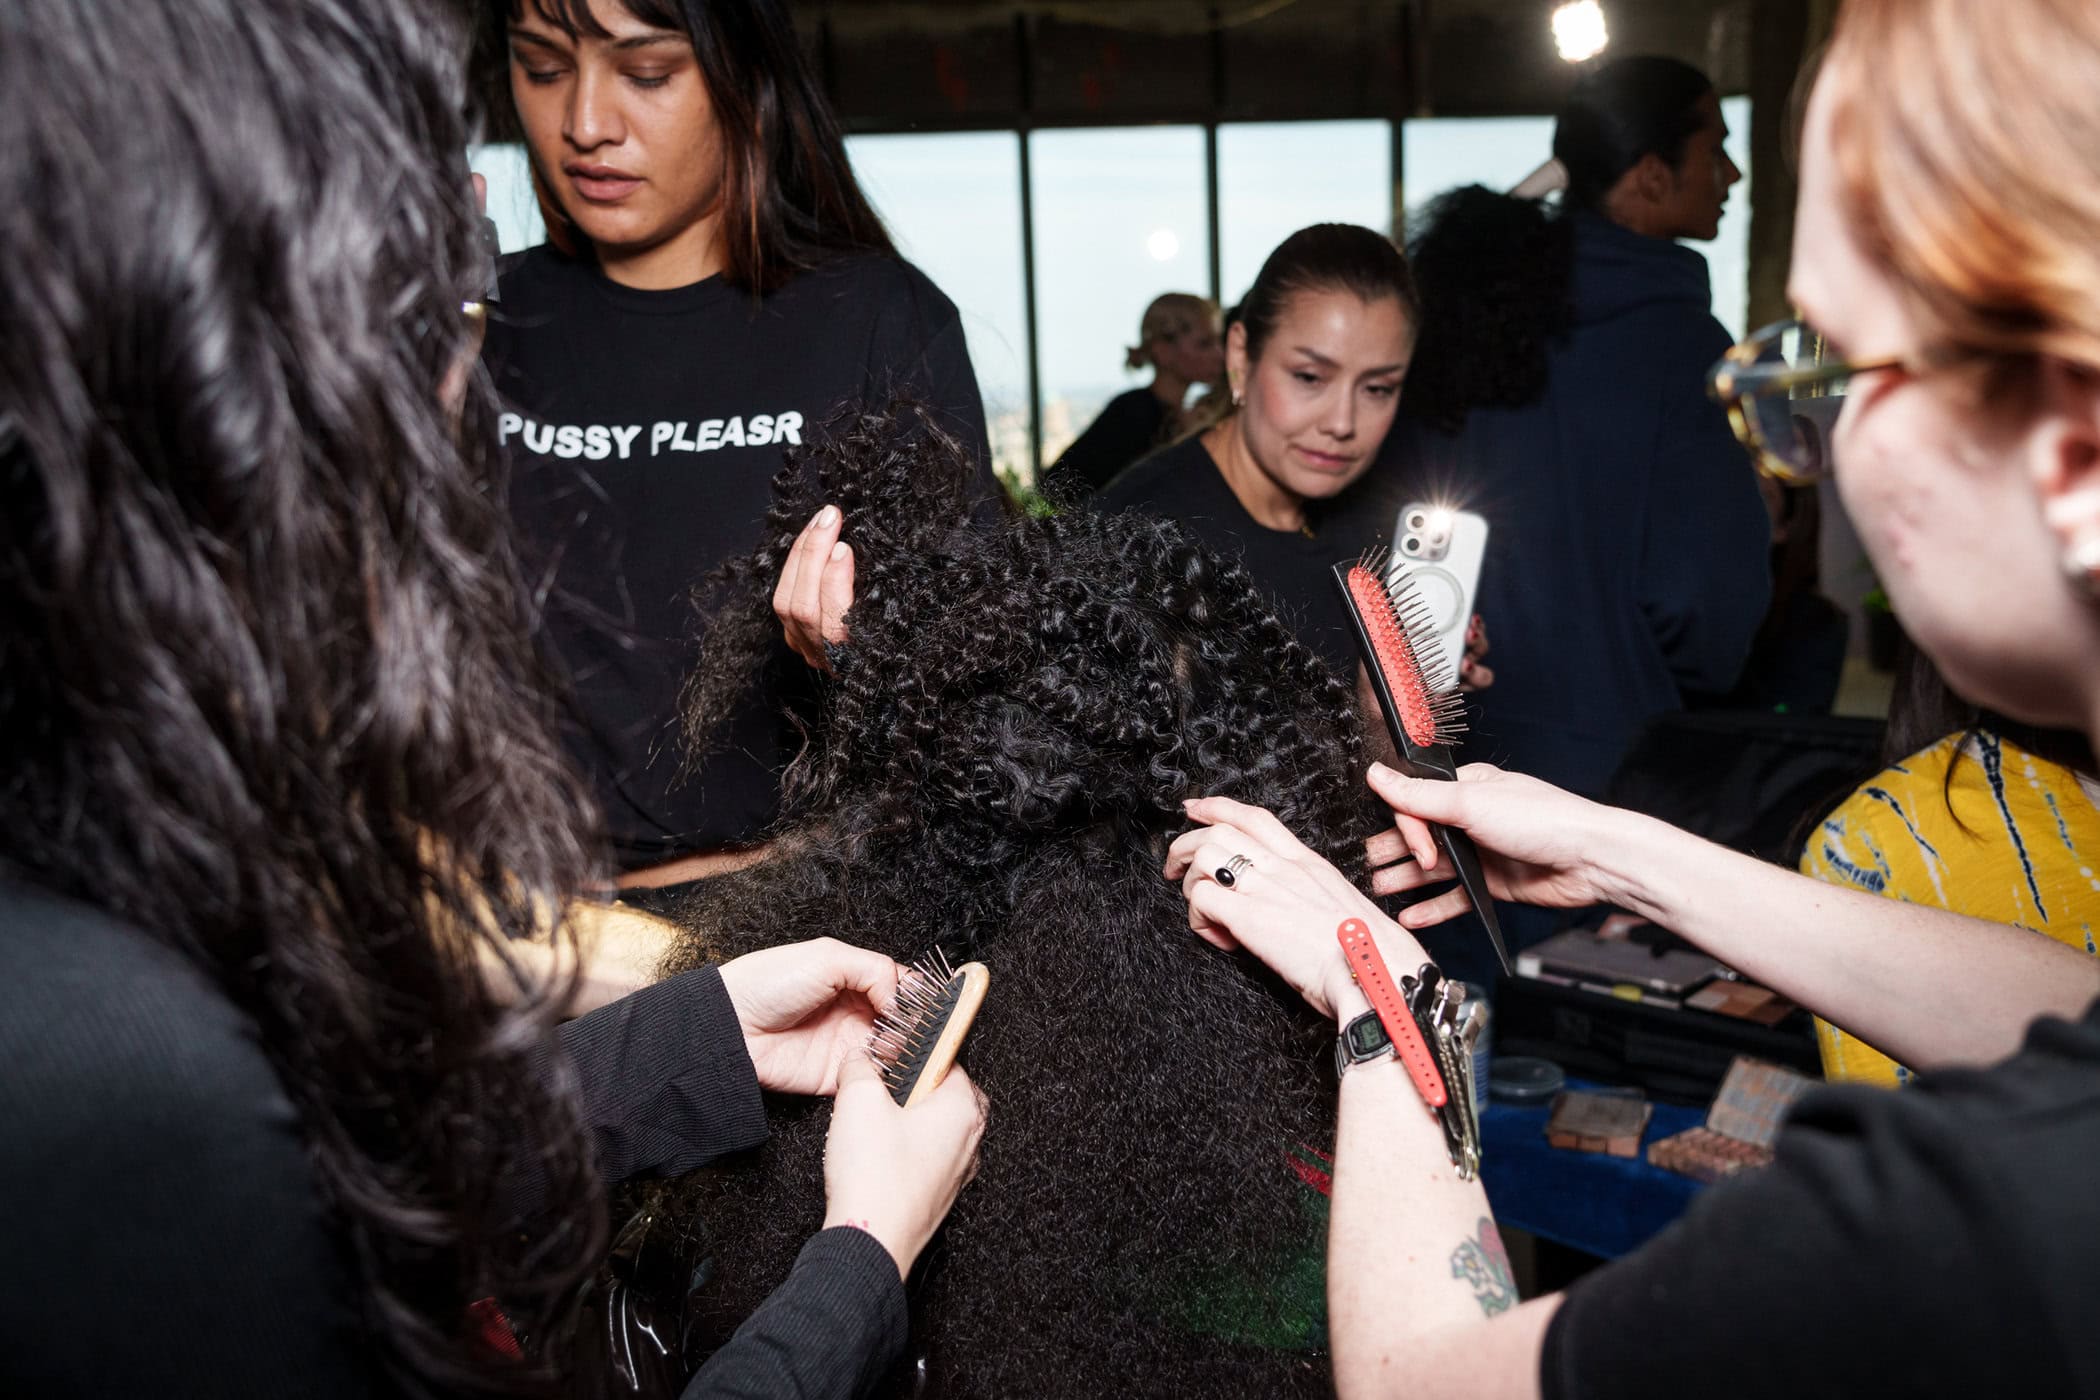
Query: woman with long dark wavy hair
x: 280, y: 781
x: 713, y: 285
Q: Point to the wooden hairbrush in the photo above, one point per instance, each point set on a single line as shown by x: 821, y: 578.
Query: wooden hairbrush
x: 1417, y: 688
x: 916, y: 1041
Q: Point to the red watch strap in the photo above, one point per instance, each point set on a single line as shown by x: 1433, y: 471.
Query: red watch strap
x: 1367, y: 966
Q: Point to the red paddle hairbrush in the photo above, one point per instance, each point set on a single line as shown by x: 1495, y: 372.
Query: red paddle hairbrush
x: 1417, y: 688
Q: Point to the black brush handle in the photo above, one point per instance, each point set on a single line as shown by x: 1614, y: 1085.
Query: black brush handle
x: 1425, y: 761
x: 1465, y: 858
x: 1435, y: 762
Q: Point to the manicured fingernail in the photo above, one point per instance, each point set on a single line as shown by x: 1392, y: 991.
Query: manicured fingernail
x: 828, y: 516
x: 838, y: 551
x: 1382, y: 773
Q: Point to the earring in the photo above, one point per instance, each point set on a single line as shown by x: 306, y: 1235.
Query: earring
x: 1236, y: 396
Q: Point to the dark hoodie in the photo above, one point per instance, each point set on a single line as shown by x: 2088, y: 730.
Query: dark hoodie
x: 1627, y: 541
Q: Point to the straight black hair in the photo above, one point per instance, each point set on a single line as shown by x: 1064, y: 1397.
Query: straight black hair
x: 1925, y: 710
x: 1625, y: 110
x: 790, y: 199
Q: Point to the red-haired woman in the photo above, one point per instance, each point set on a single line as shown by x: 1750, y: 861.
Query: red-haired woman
x: 1936, y: 1242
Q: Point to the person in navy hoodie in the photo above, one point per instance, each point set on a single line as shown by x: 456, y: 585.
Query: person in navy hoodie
x: 1559, y: 390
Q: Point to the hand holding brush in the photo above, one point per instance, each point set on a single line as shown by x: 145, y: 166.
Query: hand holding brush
x: 1418, y: 693
x: 809, y: 1012
x: 895, y: 1172
x: 905, y: 1125
x: 1538, y: 845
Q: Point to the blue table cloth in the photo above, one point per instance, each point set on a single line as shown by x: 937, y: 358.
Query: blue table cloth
x: 1602, y: 1205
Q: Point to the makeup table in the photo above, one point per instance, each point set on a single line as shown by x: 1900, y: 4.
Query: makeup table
x: 1606, y: 1206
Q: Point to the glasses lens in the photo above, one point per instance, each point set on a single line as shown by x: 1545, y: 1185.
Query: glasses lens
x: 1787, y: 436
x: 1795, y: 447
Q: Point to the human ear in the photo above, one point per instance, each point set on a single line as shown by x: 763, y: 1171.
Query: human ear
x: 2063, y: 459
x: 1654, y: 179
x: 1236, y: 367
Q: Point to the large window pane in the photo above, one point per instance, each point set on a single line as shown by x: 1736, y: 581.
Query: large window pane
x: 1120, y: 217
x: 953, y: 205
x: 1442, y: 153
x: 1728, y: 257
x: 1274, y: 178
x: 510, y: 203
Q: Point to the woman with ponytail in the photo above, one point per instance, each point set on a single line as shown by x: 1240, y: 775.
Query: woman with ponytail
x: 1314, y: 365
x: 1179, y: 341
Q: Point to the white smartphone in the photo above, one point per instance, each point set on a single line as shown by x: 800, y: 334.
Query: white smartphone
x: 1439, y: 549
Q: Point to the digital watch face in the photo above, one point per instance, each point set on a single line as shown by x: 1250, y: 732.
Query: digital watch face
x: 1367, y: 1036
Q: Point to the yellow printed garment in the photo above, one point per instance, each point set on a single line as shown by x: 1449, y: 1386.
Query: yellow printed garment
x: 2014, y: 839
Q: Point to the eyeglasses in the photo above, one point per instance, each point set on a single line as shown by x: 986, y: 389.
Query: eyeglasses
x: 1764, y: 382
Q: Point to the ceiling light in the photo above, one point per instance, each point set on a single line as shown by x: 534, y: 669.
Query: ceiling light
x: 1578, y: 30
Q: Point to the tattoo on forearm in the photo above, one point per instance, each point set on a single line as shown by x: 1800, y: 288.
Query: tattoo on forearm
x: 1484, y: 1265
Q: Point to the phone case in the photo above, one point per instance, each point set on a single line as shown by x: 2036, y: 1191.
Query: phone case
x: 1440, y: 549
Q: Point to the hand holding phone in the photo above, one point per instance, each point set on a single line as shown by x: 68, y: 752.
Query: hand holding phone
x: 1439, y: 549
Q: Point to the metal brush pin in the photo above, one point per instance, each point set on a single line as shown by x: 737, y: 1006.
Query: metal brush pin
x: 1418, y: 622
x: 917, y: 1039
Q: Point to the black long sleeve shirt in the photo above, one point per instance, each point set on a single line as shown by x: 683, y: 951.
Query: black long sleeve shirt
x: 163, y: 1233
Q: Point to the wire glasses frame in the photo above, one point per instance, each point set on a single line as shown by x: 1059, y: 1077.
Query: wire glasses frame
x: 1760, y: 381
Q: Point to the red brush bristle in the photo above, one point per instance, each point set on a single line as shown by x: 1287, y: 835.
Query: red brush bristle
x: 1403, y: 635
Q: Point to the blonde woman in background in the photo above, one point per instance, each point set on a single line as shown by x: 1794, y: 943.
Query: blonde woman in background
x: 1182, y: 339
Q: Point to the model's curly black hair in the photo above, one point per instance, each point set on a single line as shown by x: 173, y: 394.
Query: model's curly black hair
x: 1494, y: 273
x: 997, y: 767
x: 266, y: 689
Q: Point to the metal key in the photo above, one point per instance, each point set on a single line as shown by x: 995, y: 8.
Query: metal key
x: 1436, y: 1003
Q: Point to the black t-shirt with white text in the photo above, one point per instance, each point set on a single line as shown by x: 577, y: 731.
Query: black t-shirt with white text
x: 645, y: 429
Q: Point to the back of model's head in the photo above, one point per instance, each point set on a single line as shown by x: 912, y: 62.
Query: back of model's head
x: 267, y: 693
x: 997, y: 765
x: 1326, y: 258
x: 789, y: 195
x: 1621, y: 112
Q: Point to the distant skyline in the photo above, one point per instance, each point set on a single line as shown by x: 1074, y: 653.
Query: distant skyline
x: 1120, y: 217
